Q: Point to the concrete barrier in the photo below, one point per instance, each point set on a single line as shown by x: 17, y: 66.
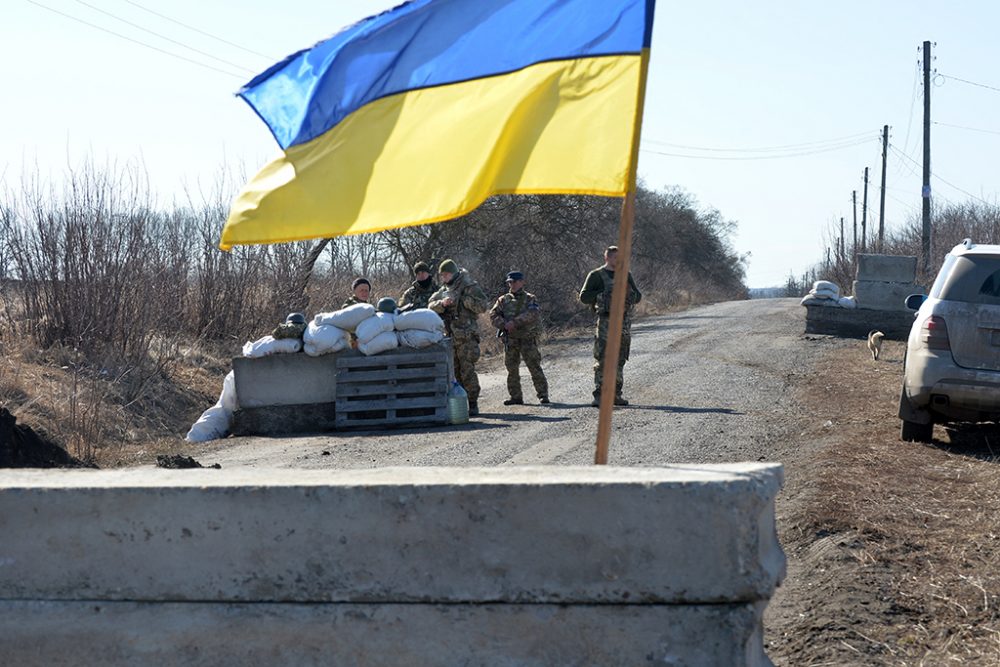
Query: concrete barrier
x: 429, y: 566
x: 887, y: 268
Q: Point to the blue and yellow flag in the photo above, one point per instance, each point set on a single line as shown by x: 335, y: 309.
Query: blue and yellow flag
x: 418, y: 114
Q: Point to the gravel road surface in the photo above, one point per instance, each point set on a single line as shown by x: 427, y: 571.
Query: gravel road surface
x: 710, y: 384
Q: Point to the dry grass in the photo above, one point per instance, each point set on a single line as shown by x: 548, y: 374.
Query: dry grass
x: 894, y: 557
x: 96, y: 415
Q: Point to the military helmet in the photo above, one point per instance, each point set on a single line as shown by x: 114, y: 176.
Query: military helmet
x: 386, y: 305
x: 295, y: 318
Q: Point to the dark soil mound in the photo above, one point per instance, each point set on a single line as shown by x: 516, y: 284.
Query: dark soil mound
x: 20, y: 447
x: 177, y: 461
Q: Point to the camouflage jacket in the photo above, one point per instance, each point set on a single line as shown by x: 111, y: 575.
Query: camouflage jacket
x: 351, y: 301
x: 416, y: 296
x: 469, y: 301
x: 522, y: 309
x: 597, y: 289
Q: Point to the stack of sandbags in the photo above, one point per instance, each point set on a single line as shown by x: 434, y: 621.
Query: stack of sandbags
x: 376, y: 334
x: 418, y: 328
x: 331, y: 332
x: 826, y: 293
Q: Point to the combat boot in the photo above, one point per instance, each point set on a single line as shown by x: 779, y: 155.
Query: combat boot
x: 473, y: 408
x: 514, y: 401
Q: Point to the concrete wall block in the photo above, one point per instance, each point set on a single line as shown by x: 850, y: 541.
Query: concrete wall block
x: 887, y: 268
x: 285, y: 379
x: 124, y: 634
x: 882, y: 295
x: 596, y: 534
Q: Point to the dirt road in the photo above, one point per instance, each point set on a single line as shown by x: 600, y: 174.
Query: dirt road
x: 708, y: 385
x: 892, y: 550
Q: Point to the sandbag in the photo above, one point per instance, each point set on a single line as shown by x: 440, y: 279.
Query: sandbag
x: 384, y: 341
x: 847, y: 302
x: 826, y: 286
x: 269, y: 345
x: 320, y: 339
x: 214, y: 422
x: 424, y: 319
x: 418, y: 338
x: 373, y: 326
x: 346, y: 318
x: 826, y: 294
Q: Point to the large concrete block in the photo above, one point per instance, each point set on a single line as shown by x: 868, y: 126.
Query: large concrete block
x: 285, y: 379
x: 125, y: 634
x: 548, y: 535
x: 887, y: 268
x: 884, y: 295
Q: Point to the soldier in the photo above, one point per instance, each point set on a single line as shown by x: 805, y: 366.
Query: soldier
x: 362, y: 290
x: 458, y: 301
x: 596, y: 293
x: 516, y: 315
x: 418, y: 295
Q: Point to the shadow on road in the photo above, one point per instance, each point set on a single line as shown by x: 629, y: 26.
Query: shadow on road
x: 473, y: 425
x: 518, y: 417
x: 680, y: 409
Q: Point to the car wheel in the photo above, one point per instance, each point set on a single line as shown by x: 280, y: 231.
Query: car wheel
x: 914, y: 432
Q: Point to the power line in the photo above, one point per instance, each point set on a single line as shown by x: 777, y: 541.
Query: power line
x: 760, y: 157
x: 969, y: 194
x: 765, y: 149
x: 963, y: 127
x: 913, y: 100
x: 971, y: 83
x: 164, y: 37
x: 135, y: 41
x: 199, y: 31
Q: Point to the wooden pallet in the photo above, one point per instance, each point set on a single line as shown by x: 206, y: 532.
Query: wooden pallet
x: 395, y: 388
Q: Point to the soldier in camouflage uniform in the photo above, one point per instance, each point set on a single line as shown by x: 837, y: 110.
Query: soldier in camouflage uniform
x: 362, y: 290
x: 418, y: 295
x: 516, y: 316
x: 596, y: 293
x: 459, y: 301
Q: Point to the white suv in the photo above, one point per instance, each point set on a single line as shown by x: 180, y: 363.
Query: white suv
x: 951, y: 371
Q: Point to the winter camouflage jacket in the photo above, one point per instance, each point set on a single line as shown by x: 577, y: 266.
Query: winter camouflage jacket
x: 469, y: 301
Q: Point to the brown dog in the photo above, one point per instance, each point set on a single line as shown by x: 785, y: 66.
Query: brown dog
x: 875, y: 343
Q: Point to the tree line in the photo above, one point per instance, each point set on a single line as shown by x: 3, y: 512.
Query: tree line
x: 97, y: 265
x: 951, y: 223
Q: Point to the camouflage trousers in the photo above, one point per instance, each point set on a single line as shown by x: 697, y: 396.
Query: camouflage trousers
x: 528, y: 349
x: 466, y: 351
x: 600, y: 342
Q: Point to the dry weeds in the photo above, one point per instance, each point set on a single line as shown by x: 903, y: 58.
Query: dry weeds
x: 893, y: 551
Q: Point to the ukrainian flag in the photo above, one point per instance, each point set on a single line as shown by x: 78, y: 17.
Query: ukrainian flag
x: 418, y: 114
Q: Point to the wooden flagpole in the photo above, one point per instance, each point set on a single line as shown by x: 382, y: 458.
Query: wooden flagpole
x: 614, y: 344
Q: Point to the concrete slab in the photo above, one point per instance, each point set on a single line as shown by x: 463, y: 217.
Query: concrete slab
x: 887, y: 268
x: 857, y: 322
x: 124, y: 634
x: 549, y: 535
x: 874, y: 295
x: 285, y: 379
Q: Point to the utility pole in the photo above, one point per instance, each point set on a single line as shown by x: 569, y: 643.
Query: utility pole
x: 864, y: 214
x: 925, y: 234
x: 854, y: 204
x: 881, y: 204
x: 842, y: 239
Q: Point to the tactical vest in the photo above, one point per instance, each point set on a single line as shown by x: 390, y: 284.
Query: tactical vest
x: 603, y: 304
x: 513, y: 305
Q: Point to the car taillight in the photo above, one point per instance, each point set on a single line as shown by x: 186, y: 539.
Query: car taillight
x: 935, y: 333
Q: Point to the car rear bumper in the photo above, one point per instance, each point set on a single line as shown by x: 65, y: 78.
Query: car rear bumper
x: 952, y: 392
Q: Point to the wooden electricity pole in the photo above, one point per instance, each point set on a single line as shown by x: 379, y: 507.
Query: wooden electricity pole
x: 925, y: 193
x: 881, y: 204
x: 864, y: 215
x: 854, y: 247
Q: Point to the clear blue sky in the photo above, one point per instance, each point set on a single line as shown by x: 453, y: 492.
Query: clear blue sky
x: 726, y: 76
